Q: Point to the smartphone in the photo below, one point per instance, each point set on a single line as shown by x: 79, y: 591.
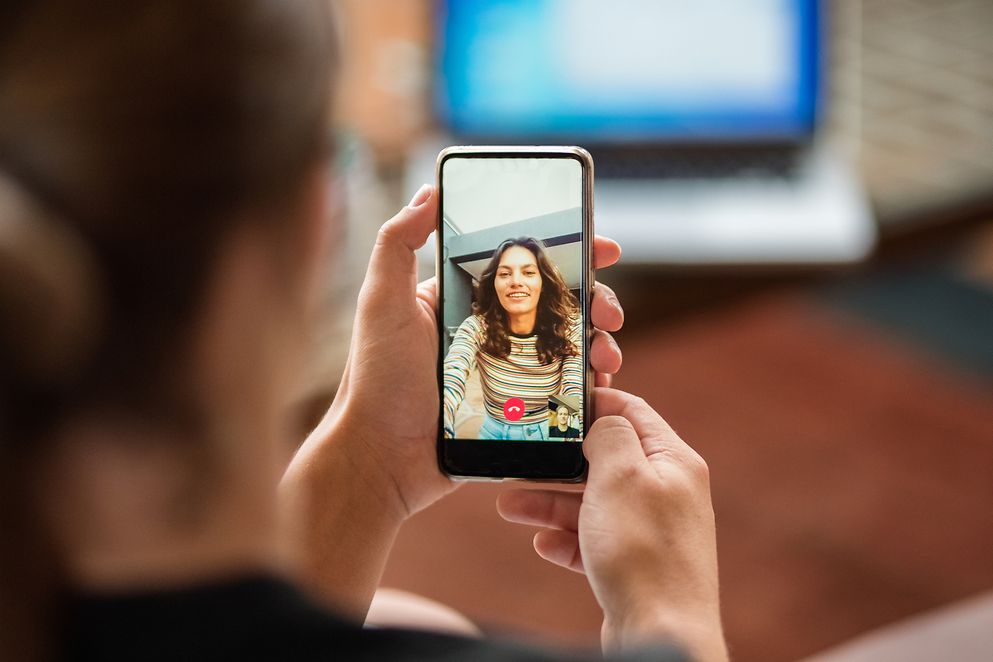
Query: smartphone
x: 515, y: 281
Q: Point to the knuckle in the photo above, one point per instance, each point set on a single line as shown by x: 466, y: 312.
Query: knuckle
x: 679, y: 487
x: 698, y: 468
x: 659, y: 490
x: 689, y: 481
x: 396, y: 228
x: 387, y: 231
x: 629, y: 475
x: 632, y: 472
x: 608, y: 424
x: 638, y: 403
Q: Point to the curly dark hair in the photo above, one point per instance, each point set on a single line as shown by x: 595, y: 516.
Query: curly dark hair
x: 557, y: 307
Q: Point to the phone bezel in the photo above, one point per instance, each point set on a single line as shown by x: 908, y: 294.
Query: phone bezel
x: 478, y: 459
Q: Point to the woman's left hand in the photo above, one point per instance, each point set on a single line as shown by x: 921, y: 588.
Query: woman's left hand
x: 387, y: 407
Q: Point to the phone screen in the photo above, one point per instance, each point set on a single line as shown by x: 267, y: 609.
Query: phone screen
x: 513, y: 271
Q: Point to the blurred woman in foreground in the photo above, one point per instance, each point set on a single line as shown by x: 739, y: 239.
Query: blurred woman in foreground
x: 162, y: 197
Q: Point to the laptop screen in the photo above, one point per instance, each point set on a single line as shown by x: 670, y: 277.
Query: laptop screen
x: 628, y: 70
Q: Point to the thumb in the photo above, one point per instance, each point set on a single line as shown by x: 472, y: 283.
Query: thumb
x: 614, y: 451
x: 392, y: 274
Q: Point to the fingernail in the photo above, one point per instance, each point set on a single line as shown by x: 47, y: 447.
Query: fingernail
x: 614, y: 302
x: 609, y: 295
x: 421, y: 196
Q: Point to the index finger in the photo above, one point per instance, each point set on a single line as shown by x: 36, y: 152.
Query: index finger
x: 606, y: 252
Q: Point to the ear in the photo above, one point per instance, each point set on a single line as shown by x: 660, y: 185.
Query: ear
x: 320, y: 230
x: 236, y: 320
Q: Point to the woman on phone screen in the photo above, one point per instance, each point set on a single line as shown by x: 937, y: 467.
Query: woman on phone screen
x: 524, y: 337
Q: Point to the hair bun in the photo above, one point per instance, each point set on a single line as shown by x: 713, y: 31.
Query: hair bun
x: 49, y: 301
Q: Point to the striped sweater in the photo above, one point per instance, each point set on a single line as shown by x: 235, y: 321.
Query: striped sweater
x: 520, y: 375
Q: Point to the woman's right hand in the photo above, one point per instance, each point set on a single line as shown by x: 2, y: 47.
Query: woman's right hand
x: 642, y: 531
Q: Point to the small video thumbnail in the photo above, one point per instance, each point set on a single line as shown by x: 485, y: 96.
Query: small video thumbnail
x: 565, y: 417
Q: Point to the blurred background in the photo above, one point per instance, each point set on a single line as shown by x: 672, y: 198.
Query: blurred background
x: 804, y: 195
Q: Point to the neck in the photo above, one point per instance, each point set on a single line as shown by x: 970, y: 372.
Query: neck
x: 523, y: 324
x: 564, y: 426
x: 134, y: 507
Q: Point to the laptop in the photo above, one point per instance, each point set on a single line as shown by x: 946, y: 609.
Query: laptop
x: 702, y: 117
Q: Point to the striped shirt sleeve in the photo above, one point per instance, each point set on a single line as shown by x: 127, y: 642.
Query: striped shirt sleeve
x: 459, y: 362
x: 574, y: 366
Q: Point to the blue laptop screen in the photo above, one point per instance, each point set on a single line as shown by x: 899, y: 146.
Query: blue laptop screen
x: 637, y: 70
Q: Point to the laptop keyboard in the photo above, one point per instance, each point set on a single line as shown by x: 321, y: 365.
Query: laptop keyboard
x: 692, y: 163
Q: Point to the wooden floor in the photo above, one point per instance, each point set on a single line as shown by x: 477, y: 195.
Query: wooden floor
x: 852, y: 479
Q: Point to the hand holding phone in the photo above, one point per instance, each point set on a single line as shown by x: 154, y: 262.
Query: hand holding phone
x: 642, y: 531
x: 385, y: 414
x: 372, y: 460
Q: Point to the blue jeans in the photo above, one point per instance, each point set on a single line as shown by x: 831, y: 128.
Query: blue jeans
x: 494, y: 429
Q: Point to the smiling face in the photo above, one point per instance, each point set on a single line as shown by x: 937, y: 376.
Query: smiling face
x: 562, y: 414
x: 518, y: 281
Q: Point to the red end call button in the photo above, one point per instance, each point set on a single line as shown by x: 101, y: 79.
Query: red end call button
x: 513, y: 409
